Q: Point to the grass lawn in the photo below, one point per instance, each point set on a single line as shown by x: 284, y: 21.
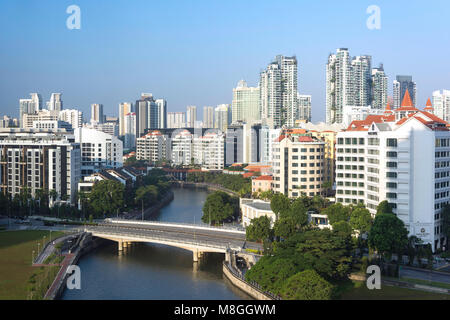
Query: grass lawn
x: 427, y: 283
x: 15, y: 261
x: 360, y: 292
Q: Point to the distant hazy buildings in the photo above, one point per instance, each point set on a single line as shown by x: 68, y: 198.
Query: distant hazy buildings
x: 245, y: 105
x: 304, y: 107
x: 208, y: 117
x: 176, y: 120
x: 222, y: 115
x: 72, y: 116
x: 124, y: 109
x: 130, y: 130
x: 191, y: 116
x: 379, y: 88
x: 97, y: 115
x: 441, y: 104
x: 401, y: 84
x: 55, y: 102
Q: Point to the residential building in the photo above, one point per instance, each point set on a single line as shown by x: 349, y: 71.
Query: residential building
x: 55, y: 102
x: 39, y: 160
x: 162, y: 113
x: 361, y: 81
x: 182, y: 148
x: 130, y: 131
x: 99, y: 150
x: 43, y: 115
x: 262, y: 184
x: 208, y: 117
x: 222, y: 117
x: 191, y: 116
x: 124, y: 109
x: 298, y: 164
x: 74, y: 117
x: 176, y: 120
x: 97, y: 115
x: 245, y: 105
x: 153, y: 147
x: 441, y: 104
x: 403, y: 157
x: 304, y: 107
x: 141, y: 109
x: 209, y: 150
x: 268, y: 137
x: 379, y: 88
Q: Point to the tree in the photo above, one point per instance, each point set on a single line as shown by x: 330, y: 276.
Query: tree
x: 307, y: 285
x: 298, y: 213
x: 343, y: 227
x: 361, y: 220
x: 388, y: 234
x: 337, y: 212
x: 107, y: 197
x: 218, y: 207
x: 285, y: 227
x: 279, y: 203
x: 147, y: 195
x: 384, y: 207
x: 259, y: 229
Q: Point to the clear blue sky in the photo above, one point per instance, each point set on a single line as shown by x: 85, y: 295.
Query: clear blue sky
x: 195, y: 52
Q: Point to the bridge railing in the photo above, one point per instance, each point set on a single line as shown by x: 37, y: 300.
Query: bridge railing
x: 146, y: 236
x: 234, y: 228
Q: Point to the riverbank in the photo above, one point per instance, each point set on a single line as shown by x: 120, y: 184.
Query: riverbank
x: 204, y: 186
x: 152, y: 211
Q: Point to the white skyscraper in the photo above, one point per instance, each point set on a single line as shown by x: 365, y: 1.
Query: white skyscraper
x: 278, y: 92
x: 304, y: 107
x: 36, y: 100
x: 245, y: 105
x: 191, y: 116
x: 162, y: 113
x: 176, y: 120
x: 208, y: 117
x: 72, y: 116
x: 379, y: 88
x: 361, y: 80
x: 338, y: 89
x: 124, y: 109
x: 97, y: 113
x: 222, y: 117
x: 130, y: 130
x: 55, y: 102
x: 441, y: 104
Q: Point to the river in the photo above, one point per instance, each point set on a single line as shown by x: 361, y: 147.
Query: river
x: 150, y: 271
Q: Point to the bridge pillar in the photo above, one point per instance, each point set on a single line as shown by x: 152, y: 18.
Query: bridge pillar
x: 120, y: 245
x: 195, y: 255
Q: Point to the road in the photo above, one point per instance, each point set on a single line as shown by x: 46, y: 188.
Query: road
x: 424, y: 275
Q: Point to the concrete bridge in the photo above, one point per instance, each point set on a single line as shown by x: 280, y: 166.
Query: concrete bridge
x: 196, y: 238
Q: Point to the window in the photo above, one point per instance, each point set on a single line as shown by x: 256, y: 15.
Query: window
x: 391, y: 164
x: 391, y: 154
x: 391, y: 174
x: 391, y: 185
x: 391, y: 142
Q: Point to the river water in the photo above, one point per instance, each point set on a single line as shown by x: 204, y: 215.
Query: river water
x: 150, y: 271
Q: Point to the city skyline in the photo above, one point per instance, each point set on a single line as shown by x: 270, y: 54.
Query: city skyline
x: 185, y: 75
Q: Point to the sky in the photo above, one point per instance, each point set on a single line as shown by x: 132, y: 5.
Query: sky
x: 194, y: 52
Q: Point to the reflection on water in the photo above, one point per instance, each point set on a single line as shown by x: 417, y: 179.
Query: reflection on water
x: 150, y: 271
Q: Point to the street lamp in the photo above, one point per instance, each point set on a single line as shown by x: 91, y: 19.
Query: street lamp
x: 32, y: 258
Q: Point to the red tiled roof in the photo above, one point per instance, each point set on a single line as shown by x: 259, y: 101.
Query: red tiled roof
x: 266, y: 178
x: 256, y: 168
x: 305, y: 139
x: 248, y: 174
x: 429, y: 104
x: 407, y: 102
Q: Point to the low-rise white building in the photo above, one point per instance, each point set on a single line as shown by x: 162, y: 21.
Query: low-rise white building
x: 252, y: 209
x: 99, y: 150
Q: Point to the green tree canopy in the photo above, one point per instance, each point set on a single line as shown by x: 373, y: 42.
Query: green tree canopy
x: 337, y: 212
x: 384, y: 207
x: 307, y: 285
x: 388, y: 234
x: 107, y: 197
x: 259, y: 229
x: 218, y: 207
x: 285, y: 227
x: 147, y: 195
x: 361, y: 220
x: 279, y: 204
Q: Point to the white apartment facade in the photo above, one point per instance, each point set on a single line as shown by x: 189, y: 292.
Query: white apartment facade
x: 72, y: 116
x: 402, y: 157
x: 99, y: 150
x: 209, y: 151
x: 153, y: 147
x: 38, y: 160
x: 182, y: 148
